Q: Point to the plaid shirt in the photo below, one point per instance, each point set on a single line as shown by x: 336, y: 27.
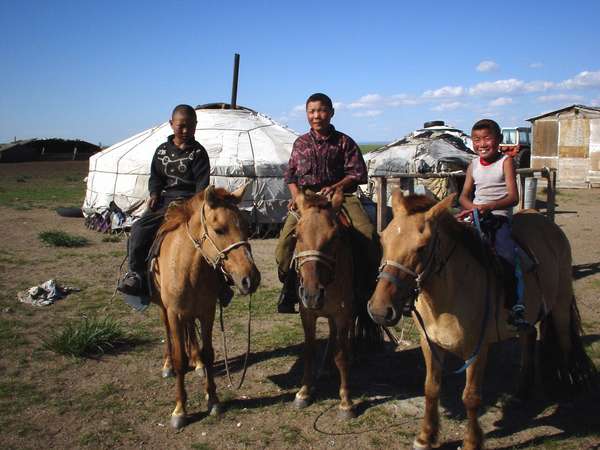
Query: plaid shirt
x: 316, y: 163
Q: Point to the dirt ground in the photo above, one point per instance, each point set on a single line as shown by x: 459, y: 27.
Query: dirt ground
x: 119, y: 400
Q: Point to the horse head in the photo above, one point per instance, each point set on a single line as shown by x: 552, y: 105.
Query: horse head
x: 317, y: 239
x: 408, y: 250
x: 224, y: 237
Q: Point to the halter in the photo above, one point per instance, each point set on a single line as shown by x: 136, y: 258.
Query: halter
x: 221, y: 254
x: 301, y: 258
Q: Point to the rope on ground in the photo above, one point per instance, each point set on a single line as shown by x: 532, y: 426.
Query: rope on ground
x: 348, y: 433
x: 225, y: 358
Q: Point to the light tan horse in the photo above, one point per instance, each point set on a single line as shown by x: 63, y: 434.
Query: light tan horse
x: 201, y: 237
x: 461, y: 302
x: 323, y: 261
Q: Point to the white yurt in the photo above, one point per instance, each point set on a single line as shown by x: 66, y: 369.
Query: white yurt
x: 435, y: 148
x: 242, y: 144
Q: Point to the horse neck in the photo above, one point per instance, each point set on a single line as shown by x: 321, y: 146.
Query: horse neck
x: 458, y: 283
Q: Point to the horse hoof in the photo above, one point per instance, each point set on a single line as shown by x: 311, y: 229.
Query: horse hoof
x: 301, y: 403
x: 168, y: 373
x: 346, y: 414
x: 178, y: 422
x: 201, y: 371
x: 215, y: 409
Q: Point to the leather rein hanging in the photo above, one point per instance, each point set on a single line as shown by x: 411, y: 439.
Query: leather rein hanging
x: 221, y: 254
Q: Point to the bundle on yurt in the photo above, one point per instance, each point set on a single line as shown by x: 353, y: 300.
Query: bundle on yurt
x: 435, y: 148
x: 242, y: 144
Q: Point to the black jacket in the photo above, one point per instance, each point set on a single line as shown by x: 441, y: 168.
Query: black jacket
x: 179, y: 173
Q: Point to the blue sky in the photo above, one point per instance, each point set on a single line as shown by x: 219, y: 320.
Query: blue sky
x: 104, y: 70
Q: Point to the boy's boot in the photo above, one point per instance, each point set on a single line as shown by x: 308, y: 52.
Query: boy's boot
x: 133, y: 284
x: 289, y: 294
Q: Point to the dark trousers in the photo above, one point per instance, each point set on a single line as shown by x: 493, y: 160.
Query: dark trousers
x: 142, y: 235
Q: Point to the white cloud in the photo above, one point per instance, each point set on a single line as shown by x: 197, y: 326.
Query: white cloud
x: 487, y: 66
x: 444, y: 92
x: 538, y: 86
x: 368, y: 113
x: 497, y: 87
x: 338, y: 105
x: 560, y: 98
x: 366, y: 101
x: 501, y: 101
x: 582, y: 80
x: 447, y: 106
x: 536, y: 65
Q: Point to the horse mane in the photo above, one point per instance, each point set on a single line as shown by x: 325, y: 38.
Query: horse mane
x: 459, y: 232
x: 180, y: 213
x: 316, y: 201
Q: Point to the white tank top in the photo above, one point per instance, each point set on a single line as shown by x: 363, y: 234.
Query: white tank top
x: 490, y: 184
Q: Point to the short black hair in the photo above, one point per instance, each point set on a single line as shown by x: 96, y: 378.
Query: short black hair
x: 488, y: 124
x: 319, y: 97
x: 184, y: 109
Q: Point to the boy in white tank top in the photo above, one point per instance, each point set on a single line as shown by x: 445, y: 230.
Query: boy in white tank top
x: 491, y: 183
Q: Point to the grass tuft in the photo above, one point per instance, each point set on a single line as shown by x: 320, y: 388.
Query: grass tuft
x: 89, y: 337
x: 112, y: 238
x: 62, y: 239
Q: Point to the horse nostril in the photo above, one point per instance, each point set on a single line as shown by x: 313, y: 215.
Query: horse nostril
x: 246, y: 283
x: 390, y: 314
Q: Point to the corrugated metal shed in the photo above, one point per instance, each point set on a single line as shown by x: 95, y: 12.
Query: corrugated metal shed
x: 568, y: 140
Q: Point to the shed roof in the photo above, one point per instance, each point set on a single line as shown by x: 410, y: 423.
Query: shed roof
x: 582, y: 107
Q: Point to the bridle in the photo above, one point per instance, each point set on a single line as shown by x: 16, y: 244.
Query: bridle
x: 301, y: 258
x: 418, y: 278
x: 217, y: 262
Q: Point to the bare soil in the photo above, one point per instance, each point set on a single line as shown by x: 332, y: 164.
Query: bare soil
x: 119, y: 400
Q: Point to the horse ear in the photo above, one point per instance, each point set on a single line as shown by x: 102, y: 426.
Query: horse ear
x: 238, y: 194
x: 440, y: 207
x: 398, y: 206
x: 209, y: 196
x: 337, y: 199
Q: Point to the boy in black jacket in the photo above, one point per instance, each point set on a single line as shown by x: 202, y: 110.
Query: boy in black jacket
x: 180, y: 168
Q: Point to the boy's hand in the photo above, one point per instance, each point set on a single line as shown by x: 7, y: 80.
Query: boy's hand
x: 485, y: 208
x: 291, y: 204
x: 327, y: 191
x: 464, y: 213
x: 153, y: 202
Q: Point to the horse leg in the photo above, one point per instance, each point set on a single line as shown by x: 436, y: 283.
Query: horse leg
x: 472, y: 400
x: 527, y: 371
x: 194, y: 350
x: 430, y: 426
x: 179, y: 357
x: 342, y: 346
x: 167, y: 368
x: 327, y: 363
x: 303, y: 396
x: 208, y: 358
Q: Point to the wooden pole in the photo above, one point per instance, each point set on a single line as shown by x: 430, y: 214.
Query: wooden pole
x: 381, y: 203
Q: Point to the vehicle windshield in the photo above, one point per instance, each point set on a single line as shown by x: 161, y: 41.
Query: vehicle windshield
x: 509, y: 137
x: 523, y: 137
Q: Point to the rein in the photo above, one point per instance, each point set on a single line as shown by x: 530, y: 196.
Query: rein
x: 299, y: 259
x: 420, y: 279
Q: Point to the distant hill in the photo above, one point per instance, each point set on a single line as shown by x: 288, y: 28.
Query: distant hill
x: 368, y: 147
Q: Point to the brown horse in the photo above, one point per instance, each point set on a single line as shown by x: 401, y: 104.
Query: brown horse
x: 323, y: 261
x: 201, y: 238
x: 461, y: 301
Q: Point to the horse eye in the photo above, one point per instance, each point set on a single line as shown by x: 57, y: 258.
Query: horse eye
x: 220, y: 231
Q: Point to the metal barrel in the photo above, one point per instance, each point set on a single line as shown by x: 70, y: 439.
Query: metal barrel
x: 530, y: 192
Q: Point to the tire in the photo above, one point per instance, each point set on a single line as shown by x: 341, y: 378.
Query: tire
x: 69, y: 212
x: 523, y: 160
x: 434, y: 123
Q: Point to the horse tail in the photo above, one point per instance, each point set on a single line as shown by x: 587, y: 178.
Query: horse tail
x: 565, y: 371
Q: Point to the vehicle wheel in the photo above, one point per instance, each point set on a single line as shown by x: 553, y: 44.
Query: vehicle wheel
x: 523, y: 160
x: 69, y: 212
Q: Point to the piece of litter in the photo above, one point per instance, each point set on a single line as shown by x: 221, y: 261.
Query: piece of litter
x: 239, y: 424
x: 203, y: 433
x: 160, y: 424
x: 45, y: 294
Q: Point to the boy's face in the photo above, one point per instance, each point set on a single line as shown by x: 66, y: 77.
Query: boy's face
x: 184, y: 127
x: 319, y: 117
x: 485, y: 143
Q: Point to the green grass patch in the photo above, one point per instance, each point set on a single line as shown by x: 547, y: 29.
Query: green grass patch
x: 201, y: 446
x: 88, y: 337
x: 280, y: 335
x: 9, y: 336
x: 57, y: 238
x: 112, y: 238
x: 366, y: 148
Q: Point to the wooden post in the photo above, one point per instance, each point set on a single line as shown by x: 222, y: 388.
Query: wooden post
x: 381, y: 203
x: 551, y: 198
